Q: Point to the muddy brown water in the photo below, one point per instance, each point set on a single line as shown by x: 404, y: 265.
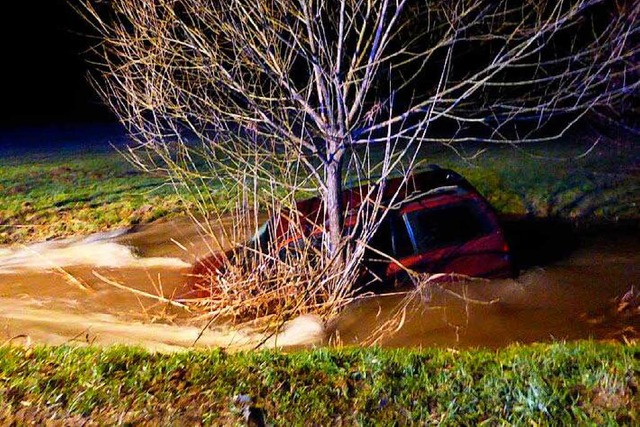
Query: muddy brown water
x: 55, y: 293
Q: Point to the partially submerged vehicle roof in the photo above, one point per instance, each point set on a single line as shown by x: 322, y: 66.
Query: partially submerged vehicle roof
x: 419, y: 183
x: 483, y: 253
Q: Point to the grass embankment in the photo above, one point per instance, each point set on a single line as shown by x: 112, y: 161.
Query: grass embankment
x: 55, y: 195
x: 551, y: 384
x: 580, y: 178
x: 60, y: 195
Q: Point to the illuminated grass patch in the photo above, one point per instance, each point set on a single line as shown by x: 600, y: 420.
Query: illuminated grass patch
x: 548, y: 384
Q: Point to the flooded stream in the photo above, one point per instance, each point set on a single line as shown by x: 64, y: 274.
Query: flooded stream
x: 70, y: 291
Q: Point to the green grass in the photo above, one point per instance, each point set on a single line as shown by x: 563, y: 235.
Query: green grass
x: 46, y: 197
x: 569, y: 384
x: 555, y: 178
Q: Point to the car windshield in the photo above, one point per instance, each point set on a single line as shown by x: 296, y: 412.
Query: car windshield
x: 445, y: 226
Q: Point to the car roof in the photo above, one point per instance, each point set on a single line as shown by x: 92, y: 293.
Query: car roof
x: 417, y: 183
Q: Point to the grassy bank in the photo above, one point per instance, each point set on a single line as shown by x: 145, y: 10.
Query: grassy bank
x: 549, y: 384
x: 55, y: 195
x: 43, y: 197
x: 580, y: 178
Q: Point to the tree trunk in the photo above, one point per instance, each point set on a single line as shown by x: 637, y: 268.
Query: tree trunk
x: 334, y: 209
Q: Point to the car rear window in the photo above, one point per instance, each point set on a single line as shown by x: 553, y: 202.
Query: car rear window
x: 445, y: 226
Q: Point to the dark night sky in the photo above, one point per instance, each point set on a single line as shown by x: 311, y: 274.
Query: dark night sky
x: 43, y: 72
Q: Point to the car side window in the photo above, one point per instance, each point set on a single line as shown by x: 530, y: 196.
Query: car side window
x: 401, y: 242
x: 381, y: 240
x: 391, y: 237
x: 262, y: 239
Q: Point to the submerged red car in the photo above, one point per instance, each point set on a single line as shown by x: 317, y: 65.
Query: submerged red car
x: 438, y: 223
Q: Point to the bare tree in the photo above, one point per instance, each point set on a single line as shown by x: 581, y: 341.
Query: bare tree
x: 314, y: 93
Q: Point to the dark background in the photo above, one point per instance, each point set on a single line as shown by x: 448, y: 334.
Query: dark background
x: 44, y: 67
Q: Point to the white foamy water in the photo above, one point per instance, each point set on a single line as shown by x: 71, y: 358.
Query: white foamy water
x: 94, y: 251
x: 37, y: 324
